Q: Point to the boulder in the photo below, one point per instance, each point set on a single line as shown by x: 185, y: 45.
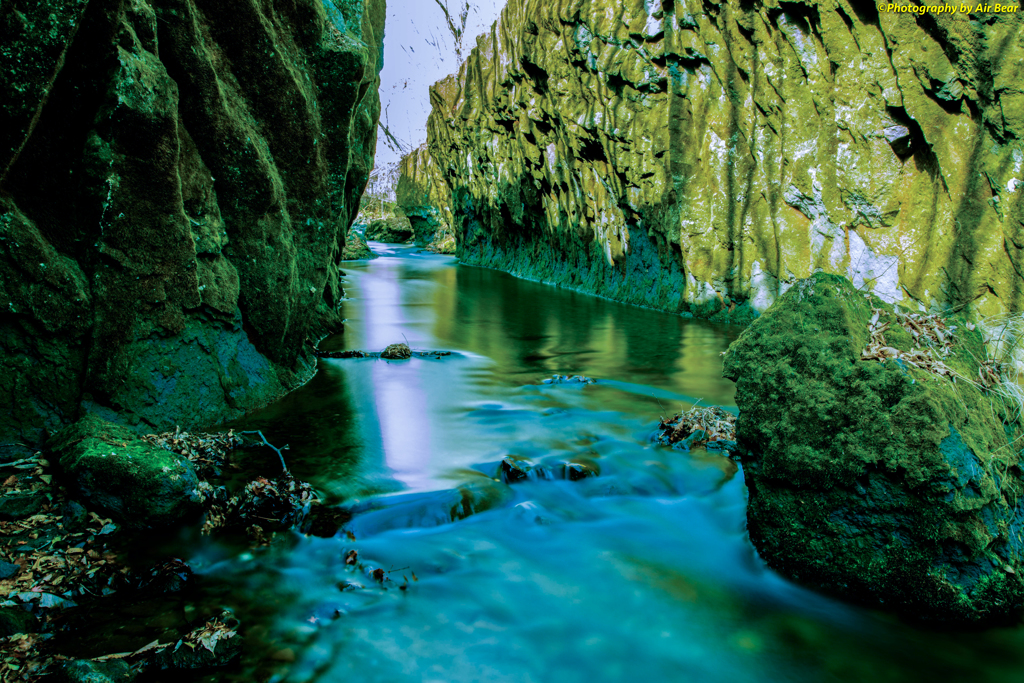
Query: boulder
x: 884, y: 482
x: 16, y: 620
x: 396, y: 229
x: 22, y: 504
x: 139, y: 484
x: 356, y: 248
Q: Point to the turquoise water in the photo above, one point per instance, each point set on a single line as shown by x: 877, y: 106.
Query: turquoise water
x: 642, y: 573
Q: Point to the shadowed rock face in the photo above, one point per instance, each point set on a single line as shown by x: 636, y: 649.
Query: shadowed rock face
x: 176, y: 183
x: 702, y: 157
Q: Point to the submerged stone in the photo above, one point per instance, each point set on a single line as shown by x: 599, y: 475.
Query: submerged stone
x: 139, y: 484
x: 880, y: 482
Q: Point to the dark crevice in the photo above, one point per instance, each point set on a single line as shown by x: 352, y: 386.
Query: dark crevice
x: 591, y: 150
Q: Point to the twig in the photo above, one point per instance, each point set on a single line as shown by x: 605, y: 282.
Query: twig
x: 271, y: 447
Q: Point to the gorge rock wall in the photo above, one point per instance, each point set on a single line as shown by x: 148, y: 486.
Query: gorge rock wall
x: 702, y: 156
x: 176, y: 183
x: 422, y: 196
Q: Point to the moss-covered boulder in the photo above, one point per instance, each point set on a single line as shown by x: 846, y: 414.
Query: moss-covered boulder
x: 396, y: 229
x: 140, y: 484
x: 356, y: 248
x: 881, y: 482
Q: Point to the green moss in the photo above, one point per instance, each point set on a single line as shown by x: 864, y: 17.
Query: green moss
x: 878, y: 481
x: 140, y: 484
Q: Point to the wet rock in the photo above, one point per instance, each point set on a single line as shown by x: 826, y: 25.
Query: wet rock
x: 74, y: 516
x: 323, y: 520
x: 575, y: 471
x: 513, y: 470
x: 356, y: 248
x: 16, y: 620
x: 21, y: 505
x: 141, y: 485
x: 397, y: 352
x: 880, y: 482
x: 396, y: 230
x: 88, y: 671
x: 190, y: 656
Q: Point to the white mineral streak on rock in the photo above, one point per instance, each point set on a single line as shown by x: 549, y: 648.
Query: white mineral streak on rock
x: 873, y: 272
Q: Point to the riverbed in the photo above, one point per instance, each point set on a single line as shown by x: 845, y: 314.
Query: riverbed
x: 643, y: 572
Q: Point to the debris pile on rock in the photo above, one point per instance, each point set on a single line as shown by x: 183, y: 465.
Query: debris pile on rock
x: 710, y: 427
x: 932, y: 340
x: 207, y: 452
x: 396, y: 352
x: 566, y: 379
x: 271, y: 505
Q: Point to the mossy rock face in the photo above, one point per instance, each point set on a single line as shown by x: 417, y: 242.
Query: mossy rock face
x: 877, y: 482
x: 176, y: 182
x: 423, y: 197
x: 396, y: 229
x: 140, y: 484
x: 741, y: 145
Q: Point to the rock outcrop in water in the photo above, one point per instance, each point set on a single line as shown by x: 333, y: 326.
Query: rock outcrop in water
x: 421, y: 197
x: 176, y: 182
x: 701, y: 157
x: 882, y: 482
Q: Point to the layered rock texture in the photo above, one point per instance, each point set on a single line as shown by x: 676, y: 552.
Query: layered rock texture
x: 701, y: 157
x: 881, y: 482
x: 422, y: 197
x: 176, y: 182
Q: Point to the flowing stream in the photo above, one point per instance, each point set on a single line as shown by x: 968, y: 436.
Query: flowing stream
x: 641, y: 573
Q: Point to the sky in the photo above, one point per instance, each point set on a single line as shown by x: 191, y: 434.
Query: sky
x: 419, y: 51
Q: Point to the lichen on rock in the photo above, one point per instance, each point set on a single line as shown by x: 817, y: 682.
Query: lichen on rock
x: 881, y: 482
